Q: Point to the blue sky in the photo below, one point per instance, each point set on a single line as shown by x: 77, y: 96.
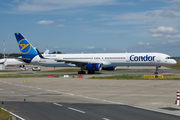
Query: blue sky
x: 101, y: 26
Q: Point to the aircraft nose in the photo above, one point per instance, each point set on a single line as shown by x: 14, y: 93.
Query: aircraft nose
x: 174, y: 61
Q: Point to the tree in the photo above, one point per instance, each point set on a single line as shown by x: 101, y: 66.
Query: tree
x: 58, y: 52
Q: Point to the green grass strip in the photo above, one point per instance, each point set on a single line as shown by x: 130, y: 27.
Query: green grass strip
x: 76, y: 70
x: 137, y: 77
x: 25, y: 75
x: 10, y: 70
x: 5, y: 115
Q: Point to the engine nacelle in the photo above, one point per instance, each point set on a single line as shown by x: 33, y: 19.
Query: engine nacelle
x: 109, y: 68
x: 93, y: 67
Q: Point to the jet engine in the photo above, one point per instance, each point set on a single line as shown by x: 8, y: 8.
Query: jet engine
x: 109, y: 68
x: 93, y: 67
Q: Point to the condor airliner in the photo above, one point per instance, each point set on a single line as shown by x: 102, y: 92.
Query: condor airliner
x: 91, y: 62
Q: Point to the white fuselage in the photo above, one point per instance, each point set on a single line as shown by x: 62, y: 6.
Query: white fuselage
x: 106, y: 59
x: 13, y: 62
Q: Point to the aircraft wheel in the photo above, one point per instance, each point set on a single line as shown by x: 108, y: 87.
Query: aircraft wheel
x: 91, y: 72
x: 155, y: 72
x: 81, y: 72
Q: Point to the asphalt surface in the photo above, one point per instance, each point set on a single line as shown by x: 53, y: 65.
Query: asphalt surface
x: 65, y: 111
x: 83, y: 99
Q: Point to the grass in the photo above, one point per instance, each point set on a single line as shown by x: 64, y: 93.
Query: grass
x: 63, y: 70
x: 137, y: 77
x: 76, y: 70
x: 10, y: 70
x: 24, y: 75
x: 5, y: 115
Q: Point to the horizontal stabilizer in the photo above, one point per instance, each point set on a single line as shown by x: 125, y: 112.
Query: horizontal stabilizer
x: 22, y: 59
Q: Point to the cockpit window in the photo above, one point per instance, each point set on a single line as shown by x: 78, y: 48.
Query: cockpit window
x: 169, y: 58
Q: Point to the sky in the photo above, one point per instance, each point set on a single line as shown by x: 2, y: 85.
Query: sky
x: 92, y: 26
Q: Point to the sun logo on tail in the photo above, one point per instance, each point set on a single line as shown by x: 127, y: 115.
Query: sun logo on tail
x: 24, y: 46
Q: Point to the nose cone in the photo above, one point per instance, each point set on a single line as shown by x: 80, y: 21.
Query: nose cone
x: 173, y: 62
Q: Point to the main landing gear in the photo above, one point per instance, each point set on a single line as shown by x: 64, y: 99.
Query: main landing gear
x: 156, y: 72
x: 83, y: 72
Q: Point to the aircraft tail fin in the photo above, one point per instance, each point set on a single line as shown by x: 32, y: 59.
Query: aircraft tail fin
x: 46, y: 52
x: 27, y: 50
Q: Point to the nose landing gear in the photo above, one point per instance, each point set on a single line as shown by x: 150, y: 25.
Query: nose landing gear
x: 156, y: 72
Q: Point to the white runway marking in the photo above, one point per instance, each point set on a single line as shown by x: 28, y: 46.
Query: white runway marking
x: 76, y: 110
x: 50, y: 90
x: 12, y: 91
x: 105, y: 119
x: 57, y: 104
x: 39, y: 88
x: 14, y: 114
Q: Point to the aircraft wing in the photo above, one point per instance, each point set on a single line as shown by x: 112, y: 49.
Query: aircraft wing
x: 74, y: 62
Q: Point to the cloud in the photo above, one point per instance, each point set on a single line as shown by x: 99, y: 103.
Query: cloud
x: 140, y: 43
x: 92, y: 47
x: 164, y: 30
x: 45, y: 22
x: 176, y: 7
x: 117, y: 33
x: 152, y: 14
x: 163, y: 0
x: 46, y: 5
x: 60, y: 25
x: 172, y: 41
x: 78, y: 19
x: 61, y: 20
x: 170, y: 0
x: 146, y: 27
x: 151, y: 21
x: 132, y: 17
x: 172, y: 37
x: 155, y: 36
x: 16, y: 1
x: 167, y: 14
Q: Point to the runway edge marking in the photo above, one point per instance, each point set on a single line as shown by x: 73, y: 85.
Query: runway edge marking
x: 13, y: 114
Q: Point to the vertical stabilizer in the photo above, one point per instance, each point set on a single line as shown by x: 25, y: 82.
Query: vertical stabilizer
x: 27, y: 50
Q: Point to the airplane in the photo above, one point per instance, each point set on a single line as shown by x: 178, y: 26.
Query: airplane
x: 91, y: 62
x: 16, y: 61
